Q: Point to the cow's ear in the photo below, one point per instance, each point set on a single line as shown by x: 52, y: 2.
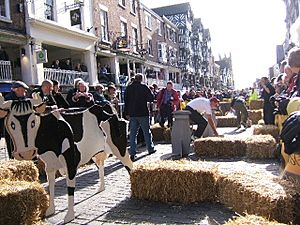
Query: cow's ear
x: 3, y: 113
x: 40, y: 108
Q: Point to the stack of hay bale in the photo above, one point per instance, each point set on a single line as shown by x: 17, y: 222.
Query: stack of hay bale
x: 173, y: 181
x: 226, y: 121
x: 254, y: 192
x: 255, y: 115
x: 256, y: 104
x: 220, y: 147
x: 161, y: 133
x: 266, y: 129
x: 260, y: 194
x: 251, y: 220
x: 23, y: 200
x: 254, y: 147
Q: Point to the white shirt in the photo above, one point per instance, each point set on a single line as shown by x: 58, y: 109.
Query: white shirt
x: 201, y: 105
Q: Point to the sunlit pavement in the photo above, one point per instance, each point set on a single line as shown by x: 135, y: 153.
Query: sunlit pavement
x: 115, y: 206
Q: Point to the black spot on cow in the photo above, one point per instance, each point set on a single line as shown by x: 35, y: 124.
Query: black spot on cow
x: 76, y: 122
x: 21, y: 105
x: 23, y: 119
x: 102, y: 113
x: 72, y: 156
x: 118, y: 130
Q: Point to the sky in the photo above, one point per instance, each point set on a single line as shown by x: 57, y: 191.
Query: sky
x: 248, y: 29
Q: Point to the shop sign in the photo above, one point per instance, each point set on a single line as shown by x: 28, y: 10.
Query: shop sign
x: 41, y: 56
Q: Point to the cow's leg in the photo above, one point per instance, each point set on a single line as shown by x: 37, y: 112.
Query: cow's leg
x: 51, y: 181
x: 99, y: 160
x: 126, y: 161
x: 71, y: 188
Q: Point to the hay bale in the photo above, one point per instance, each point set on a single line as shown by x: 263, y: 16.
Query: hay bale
x: 251, y: 220
x: 266, y: 129
x: 256, y: 104
x: 227, y: 121
x: 261, y: 122
x: 225, y: 147
x: 167, y: 135
x: 22, y: 202
x: 218, y: 113
x: 18, y: 170
x: 173, y: 181
x: 158, y: 132
x: 260, y: 147
x: 259, y: 193
x: 255, y: 115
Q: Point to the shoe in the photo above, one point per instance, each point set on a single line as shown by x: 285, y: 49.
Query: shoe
x: 152, y: 152
x: 133, y: 158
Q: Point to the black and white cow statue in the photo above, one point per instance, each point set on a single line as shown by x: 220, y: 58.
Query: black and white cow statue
x: 65, y: 140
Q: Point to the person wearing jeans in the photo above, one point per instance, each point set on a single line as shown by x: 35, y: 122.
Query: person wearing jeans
x: 136, y: 97
x: 199, y: 106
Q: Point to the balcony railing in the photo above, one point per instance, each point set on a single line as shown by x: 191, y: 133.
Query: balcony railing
x: 163, y: 83
x: 65, y: 77
x: 5, y: 71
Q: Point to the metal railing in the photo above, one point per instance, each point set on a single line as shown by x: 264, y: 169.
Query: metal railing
x: 5, y: 70
x: 65, y: 77
x: 163, y: 83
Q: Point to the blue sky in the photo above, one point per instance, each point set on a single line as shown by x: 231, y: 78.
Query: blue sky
x: 249, y: 29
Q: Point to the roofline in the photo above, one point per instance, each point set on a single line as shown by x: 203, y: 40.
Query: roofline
x: 151, y: 12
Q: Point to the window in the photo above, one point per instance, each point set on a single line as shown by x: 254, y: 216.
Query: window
x: 49, y: 10
x: 4, y: 9
x: 122, y: 3
x: 148, y: 21
x: 134, y: 39
x: 149, y: 42
x: 159, y: 49
x: 123, y: 29
x: 104, y: 25
x: 159, y: 27
x: 133, y: 6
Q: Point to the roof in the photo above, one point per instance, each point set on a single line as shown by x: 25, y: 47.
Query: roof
x: 173, y: 9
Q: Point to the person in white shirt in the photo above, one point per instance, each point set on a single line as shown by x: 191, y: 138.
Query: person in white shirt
x: 198, y: 107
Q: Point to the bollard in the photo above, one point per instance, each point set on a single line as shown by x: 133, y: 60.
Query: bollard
x: 181, y: 134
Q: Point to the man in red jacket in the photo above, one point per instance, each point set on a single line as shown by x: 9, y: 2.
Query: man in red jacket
x: 167, y: 101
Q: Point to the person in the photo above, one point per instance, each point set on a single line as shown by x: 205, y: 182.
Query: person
x: 111, y: 95
x: 56, y: 64
x: 238, y: 106
x: 73, y: 90
x: 59, y: 99
x: 3, y: 54
x: 267, y: 91
x: 98, y: 95
x: 78, y: 67
x: 197, y: 107
x: 167, y: 100
x: 253, y: 95
x: 136, y: 97
x: 67, y: 65
x: 18, y: 92
x: 82, y: 97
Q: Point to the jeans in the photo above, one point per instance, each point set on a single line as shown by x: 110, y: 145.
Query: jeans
x: 241, y: 113
x: 166, y: 112
x: 134, y: 124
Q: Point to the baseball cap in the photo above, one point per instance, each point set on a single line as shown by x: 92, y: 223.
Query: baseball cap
x: 18, y: 84
x: 214, y: 99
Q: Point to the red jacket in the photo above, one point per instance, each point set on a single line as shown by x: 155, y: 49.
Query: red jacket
x: 175, y: 102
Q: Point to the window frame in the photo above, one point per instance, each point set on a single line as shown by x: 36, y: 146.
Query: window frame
x: 104, y: 25
x: 148, y: 21
x: 125, y: 29
x: 150, y: 48
x: 6, y: 17
x: 122, y: 3
x: 134, y: 39
x: 51, y: 7
x: 133, y: 7
x: 159, y: 30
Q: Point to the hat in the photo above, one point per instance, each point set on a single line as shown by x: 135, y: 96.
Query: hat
x: 18, y: 84
x: 214, y: 99
x: 111, y: 86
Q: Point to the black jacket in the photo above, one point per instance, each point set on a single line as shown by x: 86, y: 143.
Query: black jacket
x: 137, y: 96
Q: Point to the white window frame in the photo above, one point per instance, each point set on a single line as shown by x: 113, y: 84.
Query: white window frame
x: 104, y: 25
x: 134, y: 39
x: 122, y: 3
x: 123, y: 32
x: 6, y: 17
x: 159, y: 27
x: 148, y: 20
x: 133, y: 7
x: 150, y: 48
x: 159, y: 50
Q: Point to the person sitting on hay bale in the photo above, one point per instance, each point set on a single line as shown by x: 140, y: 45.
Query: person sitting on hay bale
x: 200, y: 106
x: 239, y: 107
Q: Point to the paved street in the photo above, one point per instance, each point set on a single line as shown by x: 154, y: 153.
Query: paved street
x: 115, y: 205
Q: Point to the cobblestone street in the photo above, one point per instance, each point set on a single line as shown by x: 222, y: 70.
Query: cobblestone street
x: 115, y: 206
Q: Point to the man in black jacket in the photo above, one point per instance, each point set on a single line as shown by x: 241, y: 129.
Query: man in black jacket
x: 137, y: 96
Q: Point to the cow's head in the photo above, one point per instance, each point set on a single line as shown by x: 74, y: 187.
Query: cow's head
x: 22, y: 124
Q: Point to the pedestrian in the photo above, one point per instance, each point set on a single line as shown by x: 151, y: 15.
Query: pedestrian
x: 167, y: 101
x: 99, y: 96
x: 137, y: 96
x: 238, y: 105
x: 267, y: 91
x: 82, y: 97
x: 198, y: 107
x: 73, y: 90
x: 18, y: 92
x: 58, y: 97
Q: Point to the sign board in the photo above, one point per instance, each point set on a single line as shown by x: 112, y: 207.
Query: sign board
x: 75, y: 16
x: 122, y: 44
x: 41, y: 56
